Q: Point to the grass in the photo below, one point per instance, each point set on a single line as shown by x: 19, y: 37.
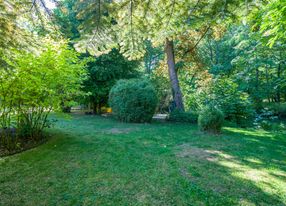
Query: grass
x: 98, y: 161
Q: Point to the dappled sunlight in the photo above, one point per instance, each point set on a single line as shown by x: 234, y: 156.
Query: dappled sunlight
x: 254, y: 177
x: 252, y: 132
x: 253, y: 160
x: 262, y: 178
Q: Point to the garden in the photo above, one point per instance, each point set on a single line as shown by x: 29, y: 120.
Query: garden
x: 142, y: 102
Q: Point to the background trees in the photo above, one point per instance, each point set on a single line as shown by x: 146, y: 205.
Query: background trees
x: 129, y: 23
x: 103, y: 73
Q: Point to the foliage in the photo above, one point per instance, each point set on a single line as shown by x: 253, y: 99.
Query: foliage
x: 268, y: 120
x: 35, y: 84
x: 11, y: 34
x: 130, y: 23
x: 271, y: 21
x: 235, y: 104
x: 211, y: 119
x: 236, y: 72
x: 65, y: 18
x: 103, y: 72
x: 181, y: 116
x: 127, y: 25
x: 133, y: 100
x: 278, y: 109
x: 152, y: 57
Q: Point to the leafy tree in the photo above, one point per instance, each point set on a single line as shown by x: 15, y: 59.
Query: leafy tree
x: 103, y: 73
x: 33, y: 86
x: 128, y: 23
x: 270, y: 19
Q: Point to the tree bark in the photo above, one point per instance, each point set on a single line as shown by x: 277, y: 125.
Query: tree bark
x: 94, y: 108
x: 278, y: 87
x: 177, y: 94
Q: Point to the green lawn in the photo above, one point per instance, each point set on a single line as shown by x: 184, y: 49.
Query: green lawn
x: 98, y: 161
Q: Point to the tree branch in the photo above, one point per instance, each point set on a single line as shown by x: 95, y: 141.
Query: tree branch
x: 197, y: 43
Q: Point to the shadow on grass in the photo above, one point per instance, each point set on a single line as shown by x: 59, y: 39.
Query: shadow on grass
x: 246, y: 168
x: 97, y: 160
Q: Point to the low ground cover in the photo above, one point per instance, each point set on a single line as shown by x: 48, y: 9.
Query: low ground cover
x: 94, y: 160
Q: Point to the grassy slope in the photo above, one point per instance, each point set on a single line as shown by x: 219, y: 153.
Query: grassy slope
x: 93, y: 160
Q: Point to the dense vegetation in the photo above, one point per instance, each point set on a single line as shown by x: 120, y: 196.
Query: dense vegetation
x: 205, y: 64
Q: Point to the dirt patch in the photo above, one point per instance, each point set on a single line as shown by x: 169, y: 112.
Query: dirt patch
x: 187, y: 151
x: 119, y: 130
x: 192, y: 159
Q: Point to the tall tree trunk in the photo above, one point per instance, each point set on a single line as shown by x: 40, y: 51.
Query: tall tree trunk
x: 257, y: 97
x: 268, y: 85
x: 177, y: 94
x: 278, y: 87
x: 94, y: 109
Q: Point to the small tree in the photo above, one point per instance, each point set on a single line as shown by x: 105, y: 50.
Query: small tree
x: 34, y: 85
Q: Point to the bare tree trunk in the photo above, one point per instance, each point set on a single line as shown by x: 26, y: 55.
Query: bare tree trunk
x: 278, y: 87
x: 177, y: 94
x: 94, y: 109
x: 268, y: 85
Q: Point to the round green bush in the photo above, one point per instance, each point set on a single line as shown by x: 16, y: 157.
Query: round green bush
x: 133, y: 100
x: 211, y: 120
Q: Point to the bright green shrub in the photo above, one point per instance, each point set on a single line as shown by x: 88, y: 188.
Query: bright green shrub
x: 181, y: 116
x: 211, y: 120
x: 37, y: 85
x: 133, y: 100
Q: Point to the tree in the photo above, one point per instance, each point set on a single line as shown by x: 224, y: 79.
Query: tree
x: 129, y: 23
x: 270, y: 19
x: 65, y: 19
x: 103, y: 73
x: 238, y: 73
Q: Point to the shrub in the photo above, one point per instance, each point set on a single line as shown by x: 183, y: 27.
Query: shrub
x: 268, y: 120
x: 226, y: 95
x: 235, y: 104
x: 133, y: 100
x: 279, y: 109
x: 39, y: 83
x: 211, y: 119
x: 181, y: 116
